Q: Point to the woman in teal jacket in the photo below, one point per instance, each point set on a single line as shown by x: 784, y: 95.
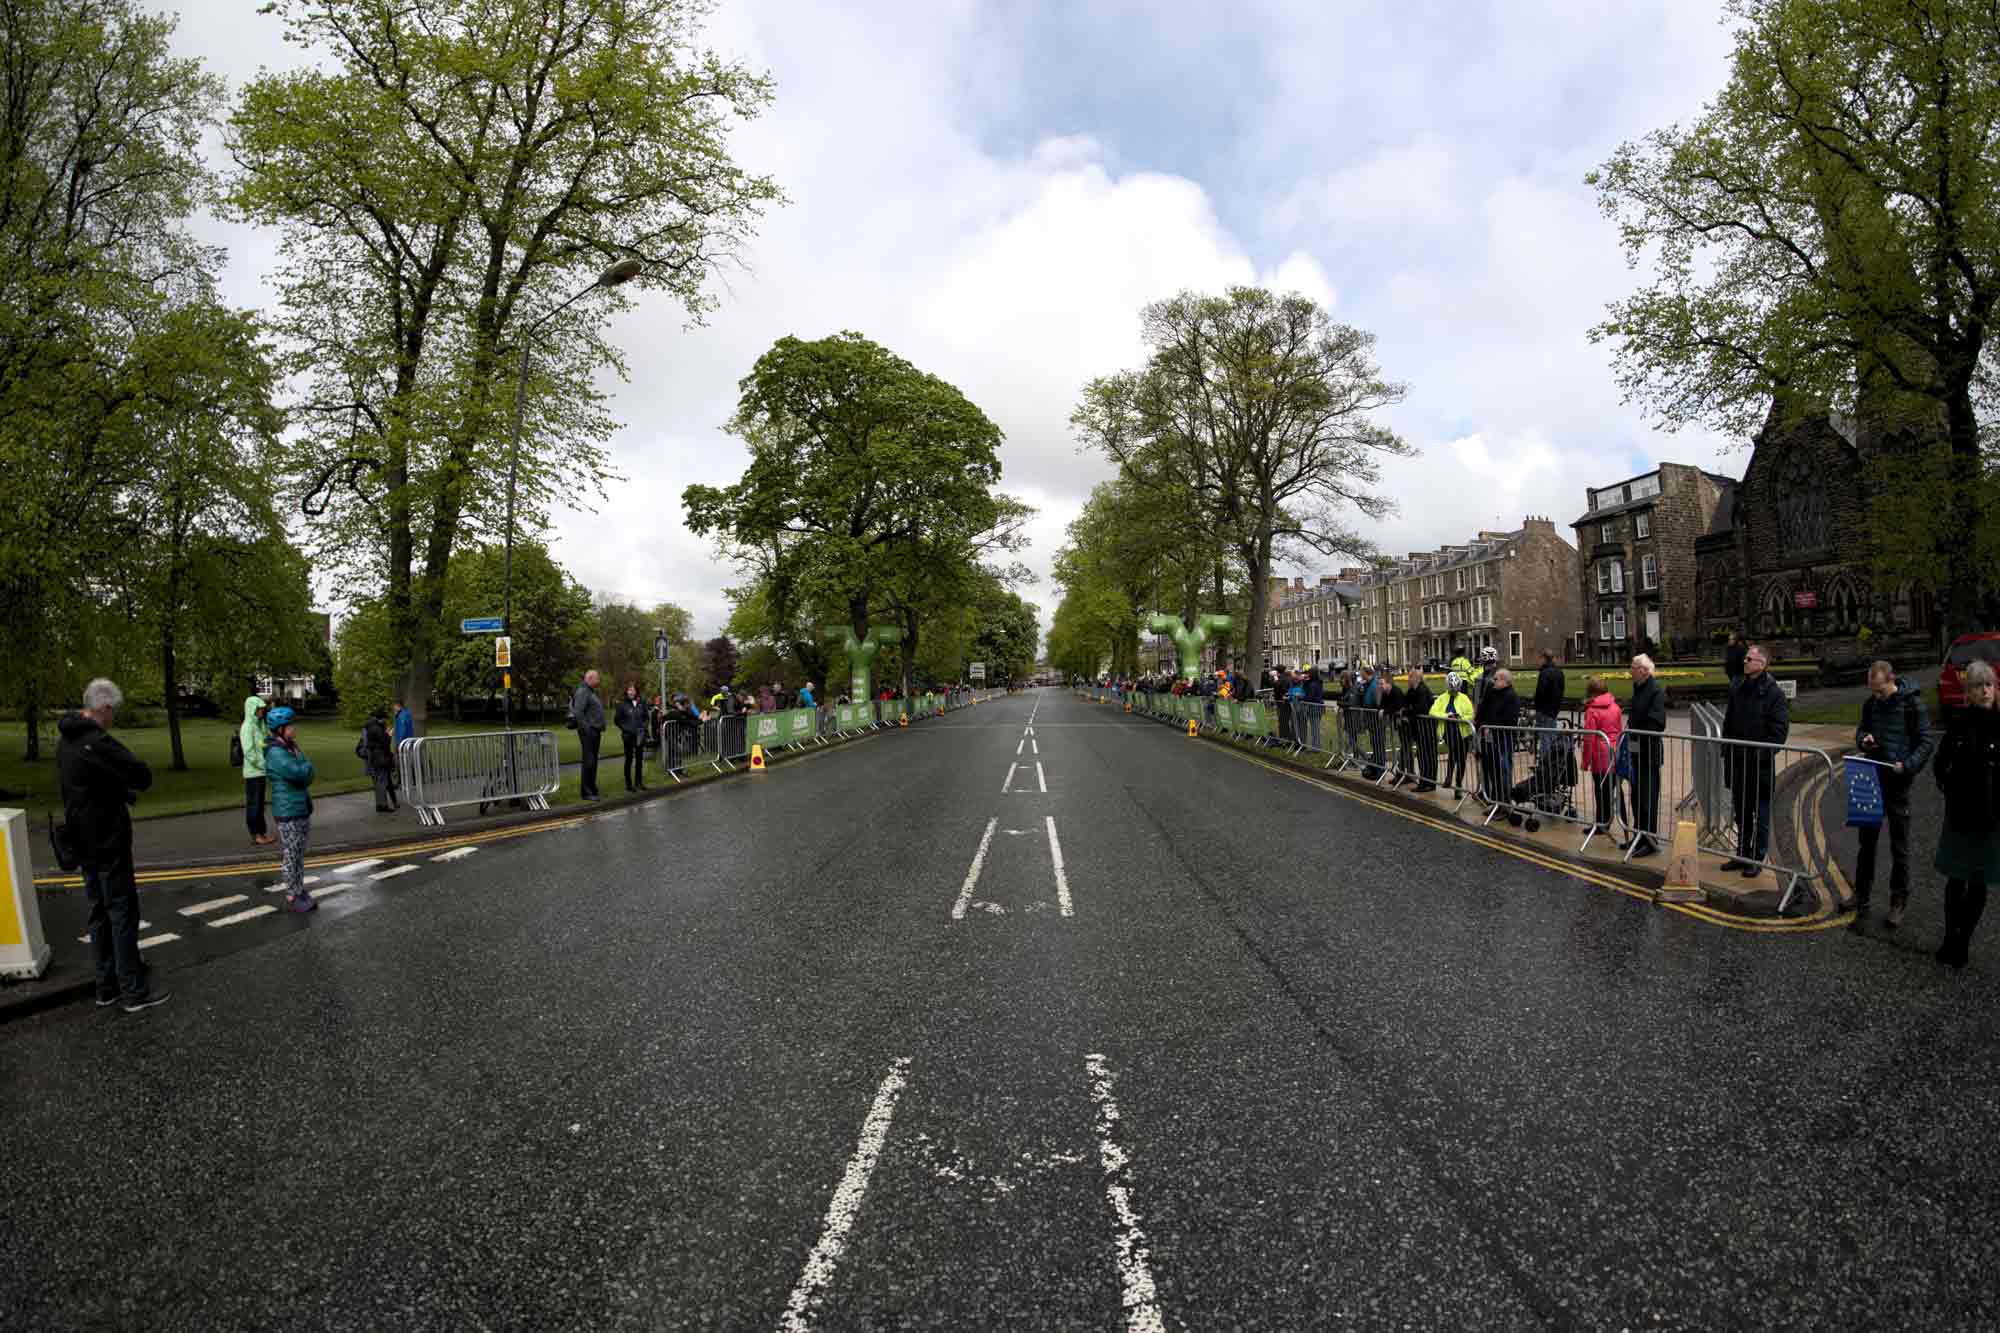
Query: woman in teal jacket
x: 291, y: 775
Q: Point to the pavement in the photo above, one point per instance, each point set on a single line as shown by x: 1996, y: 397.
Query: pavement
x: 1033, y: 1016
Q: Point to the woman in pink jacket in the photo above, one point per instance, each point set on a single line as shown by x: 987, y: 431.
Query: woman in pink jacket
x: 1600, y: 751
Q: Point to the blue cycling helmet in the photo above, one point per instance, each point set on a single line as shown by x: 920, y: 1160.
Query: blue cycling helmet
x: 279, y: 717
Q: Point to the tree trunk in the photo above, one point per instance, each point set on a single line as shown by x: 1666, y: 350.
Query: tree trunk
x: 1258, y: 557
x: 172, y: 694
x: 1965, y: 595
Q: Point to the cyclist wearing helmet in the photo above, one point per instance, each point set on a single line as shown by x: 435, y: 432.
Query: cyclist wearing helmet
x: 291, y: 773
x: 1453, y: 710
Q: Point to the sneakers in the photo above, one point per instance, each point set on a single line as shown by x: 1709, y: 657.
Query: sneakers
x: 1734, y: 863
x: 152, y: 998
x: 1895, y: 915
x: 301, y: 902
x: 1646, y: 847
x: 106, y: 1001
x: 1751, y: 870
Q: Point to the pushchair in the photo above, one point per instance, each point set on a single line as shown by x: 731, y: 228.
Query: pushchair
x: 1551, y: 788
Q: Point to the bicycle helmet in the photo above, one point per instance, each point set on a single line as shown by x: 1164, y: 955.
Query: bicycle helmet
x: 1455, y: 681
x: 279, y: 717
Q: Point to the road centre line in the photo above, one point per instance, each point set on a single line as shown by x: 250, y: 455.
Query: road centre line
x: 845, y: 1205
x: 232, y: 919
x: 1041, y: 778
x: 213, y: 903
x: 1135, y: 1274
x: 972, y: 875
x: 1062, y: 880
x: 392, y: 872
x: 1010, y: 779
x: 1038, y: 746
x: 1018, y: 744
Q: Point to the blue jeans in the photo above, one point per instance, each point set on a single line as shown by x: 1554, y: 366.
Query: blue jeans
x: 114, y: 931
x: 1546, y: 740
x: 1498, y: 754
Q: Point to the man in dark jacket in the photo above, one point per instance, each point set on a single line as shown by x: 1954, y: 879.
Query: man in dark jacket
x: 1757, y: 712
x: 1646, y: 723
x: 587, y: 711
x: 1550, y: 686
x: 1499, y: 708
x: 1732, y: 660
x: 1895, y: 733
x: 379, y: 757
x: 1419, y: 735
x: 101, y: 778
x: 1315, y: 703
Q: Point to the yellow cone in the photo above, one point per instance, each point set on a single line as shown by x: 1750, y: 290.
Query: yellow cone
x: 1683, y: 867
x: 1191, y: 726
x: 756, y: 759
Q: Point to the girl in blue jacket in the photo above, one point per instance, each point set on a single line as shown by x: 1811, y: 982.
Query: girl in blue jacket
x: 291, y: 775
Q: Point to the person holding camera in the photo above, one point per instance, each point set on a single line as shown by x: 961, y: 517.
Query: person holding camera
x: 101, y: 780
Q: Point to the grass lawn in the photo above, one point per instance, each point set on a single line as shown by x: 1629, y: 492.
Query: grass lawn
x: 1849, y: 714
x: 1619, y: 679
x: 209, y: 782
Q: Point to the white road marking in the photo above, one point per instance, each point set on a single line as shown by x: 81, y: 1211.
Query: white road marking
x: 1010, y: 779
x: 85, y: 937
x: 1041, y: 778
x: 356, y: 867
x: 846, y: 1204
x: 213, y: 903
x: 972, y: 875
x: 392, y: 872
x: 232, y: 919
x: 310, y: 880
x: 1018, y: 744
x: 455, y: 854
x: 165, y: 937
x: 1142, y: 1306
x: 332, y: 889
x: 1062, y: 880
x: 1038, y: 746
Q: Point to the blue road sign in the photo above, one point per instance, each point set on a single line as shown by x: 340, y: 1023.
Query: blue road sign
x: 480, y: 625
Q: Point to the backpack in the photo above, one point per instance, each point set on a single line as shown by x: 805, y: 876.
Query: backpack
x: 236, y: 749
x: 361, y: 746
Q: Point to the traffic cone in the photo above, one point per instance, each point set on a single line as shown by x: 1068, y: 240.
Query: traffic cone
x: 902, y: 719
x: 1191, y: 727
x: 1683, y: 879
x: 756, y: 759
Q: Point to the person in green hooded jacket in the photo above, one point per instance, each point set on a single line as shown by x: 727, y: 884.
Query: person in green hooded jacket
x: 251, y: 737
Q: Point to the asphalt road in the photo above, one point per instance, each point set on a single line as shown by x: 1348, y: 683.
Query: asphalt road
x: 775, y: 1054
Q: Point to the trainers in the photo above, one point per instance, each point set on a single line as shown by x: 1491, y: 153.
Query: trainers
x: 301, y: 902
x: 1647, y: 848
x: 156, y: 996
x: 1895, y: 916
x: 106, y: 1001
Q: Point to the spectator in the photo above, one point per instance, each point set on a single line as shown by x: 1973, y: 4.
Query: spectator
x: 1453, y: 709
x: 1646, y: 719
x: 250, y: 739
x: 1732, y: 660
x: 1757, y: 713
x: 406, y: 725
x: 1315, y: 703
x: 807, y: 699
x: 1968, y: 773
x: 630, y: 717
x: 1390, y: 721
x: 378, y: 759
x: 1418, y: 753
x: 1895, y: 733
x: 291, y: 804
x: 656, y: 720
x: 101, y: 778
x: 1550, y: 686
x: 586, y: 710
x: 1495, y: 716
x: 767, y: 699
x: 1603, y: 724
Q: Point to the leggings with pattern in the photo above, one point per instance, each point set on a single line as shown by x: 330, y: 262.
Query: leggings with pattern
x: 292, y: 849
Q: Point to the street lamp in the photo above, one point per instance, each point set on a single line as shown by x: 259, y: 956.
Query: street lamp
x: 619, y: 273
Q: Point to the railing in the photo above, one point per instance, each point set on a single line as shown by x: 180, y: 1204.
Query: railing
x: 483, y: 769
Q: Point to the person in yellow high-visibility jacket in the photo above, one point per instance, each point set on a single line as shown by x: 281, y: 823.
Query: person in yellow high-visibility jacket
x: 1453, y: 710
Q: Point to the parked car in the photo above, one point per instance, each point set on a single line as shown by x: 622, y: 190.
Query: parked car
x: 1964, y: 650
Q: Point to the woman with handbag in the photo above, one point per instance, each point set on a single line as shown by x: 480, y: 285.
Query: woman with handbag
x: 291, y: 775
x: 1968, y: 773
x: 1603, y: 726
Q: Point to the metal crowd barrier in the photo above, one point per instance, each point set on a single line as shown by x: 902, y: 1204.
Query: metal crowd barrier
x: 1545, y: 773
x: 483, y: 769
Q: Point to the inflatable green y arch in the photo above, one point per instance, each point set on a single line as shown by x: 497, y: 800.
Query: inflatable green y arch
x: 861, y: 655
x: 1189, y: 642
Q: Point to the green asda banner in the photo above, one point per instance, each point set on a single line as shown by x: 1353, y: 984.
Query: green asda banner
x: 765, y: 729
x: 801, y: 724
x: 891, y: 709
x: 853, y: 717
x: 1250, y: 719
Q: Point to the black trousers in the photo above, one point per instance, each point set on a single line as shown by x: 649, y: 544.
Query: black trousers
x: 1646, y: 799
x: 589, y: 739
x: 1605, y: 785
x: 1456, y: 745
x: 1896, y: 816
x: 1964, y: 904
x: 385, y: 787
x: 113, y: 892
x: 253, y: 806
x: 1427, y: 751
x: 635, y: 759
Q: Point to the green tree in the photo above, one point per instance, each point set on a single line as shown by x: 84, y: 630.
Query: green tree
x: 1257, y: 411
x: 554, y: 629
x: 442, y: 178
x: 100, y: 167
x: 1828, y: 232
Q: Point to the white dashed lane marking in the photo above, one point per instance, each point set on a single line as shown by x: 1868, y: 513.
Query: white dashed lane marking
x: 356, y: 867
x: 213, y: 903
x: 392, y: 872
x: 846, y: 1205
x: 455, y: 854
x: 972, y: 875
x: 235, y: 917
x: 164, y: 937
x: 1135, y: 1273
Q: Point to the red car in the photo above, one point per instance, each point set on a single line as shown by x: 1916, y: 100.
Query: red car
x: 1964, y: 650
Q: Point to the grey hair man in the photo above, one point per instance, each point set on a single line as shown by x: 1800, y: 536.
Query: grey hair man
x: 586, y: 714
x: 1646, y: 724
x: 100, y: 780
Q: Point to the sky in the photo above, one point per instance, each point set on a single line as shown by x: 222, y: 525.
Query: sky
x: 993, y: 191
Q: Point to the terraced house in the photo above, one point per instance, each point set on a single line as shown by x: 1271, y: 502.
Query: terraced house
x: 1638, y: 539
x: 1515, y: 592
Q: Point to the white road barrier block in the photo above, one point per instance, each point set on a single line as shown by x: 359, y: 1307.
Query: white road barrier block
x: 24, y: 952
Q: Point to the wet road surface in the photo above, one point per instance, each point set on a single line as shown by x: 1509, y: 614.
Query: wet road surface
x: 1070, y: 1022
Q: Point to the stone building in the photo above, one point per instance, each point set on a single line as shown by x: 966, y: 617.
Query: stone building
x: 1513, y: 591
x: 1636, y: 539
x: 1787, y: 559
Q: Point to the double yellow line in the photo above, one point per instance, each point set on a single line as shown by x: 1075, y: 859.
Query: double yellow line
x: 1826, y: 919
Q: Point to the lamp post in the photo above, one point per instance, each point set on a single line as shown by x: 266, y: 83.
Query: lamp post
x: 621, y: 272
